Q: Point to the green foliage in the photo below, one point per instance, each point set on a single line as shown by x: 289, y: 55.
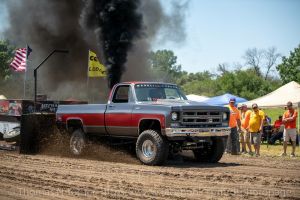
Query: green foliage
x: 201, y: 83
x: 244, y: 83
x: 6, y: 54
x: 289, y: 70
x: 164, y: 65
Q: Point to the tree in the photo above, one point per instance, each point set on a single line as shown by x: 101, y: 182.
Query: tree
x: 8, y: 81
x: 6, y: 54
x: 223, y: 68
x: 245, y: 83
x: 164, y: 65
x: 200, y: 83
x: 248, y: 83
x: 261, y: 60
x: 271, y: 57
x: 289, y: 69
x: 253, y: 58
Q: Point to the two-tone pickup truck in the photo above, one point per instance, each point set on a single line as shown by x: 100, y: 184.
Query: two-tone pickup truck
x: 156, y: 116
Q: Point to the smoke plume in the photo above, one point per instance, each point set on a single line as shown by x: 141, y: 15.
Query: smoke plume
x: 45, y: 26
x: 121, y: 32
x: 120, y: 23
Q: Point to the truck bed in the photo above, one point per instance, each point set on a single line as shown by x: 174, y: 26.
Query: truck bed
x: 81, y: 108
x: 91, y: 116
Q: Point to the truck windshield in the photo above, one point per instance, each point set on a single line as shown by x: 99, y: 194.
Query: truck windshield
x: 153, y: 92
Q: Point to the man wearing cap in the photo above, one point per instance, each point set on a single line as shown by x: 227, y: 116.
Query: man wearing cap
x: 244, y: 134
x: 234, y: 121
x: 290, y: 132
x: 256, y: 123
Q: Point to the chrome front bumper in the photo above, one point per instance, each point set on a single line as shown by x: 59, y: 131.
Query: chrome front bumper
x: 197, y: 132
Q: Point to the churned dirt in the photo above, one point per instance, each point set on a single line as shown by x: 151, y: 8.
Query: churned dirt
x: 114, y: 174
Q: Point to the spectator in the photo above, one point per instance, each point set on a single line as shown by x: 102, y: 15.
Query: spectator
x: 268, y: 120
x: 256, y: 127
x: 234, y: 122
x: 277, y: 130
x: 267, y: 129
x: 290, y: 132
x: 244, y: 134
x: 277, y: 123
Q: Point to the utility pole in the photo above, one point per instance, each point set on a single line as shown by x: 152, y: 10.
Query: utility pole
x: 35, y: 72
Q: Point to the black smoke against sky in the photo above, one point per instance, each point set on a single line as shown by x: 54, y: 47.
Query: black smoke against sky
x: 121, y: 32
x: 120, y: 24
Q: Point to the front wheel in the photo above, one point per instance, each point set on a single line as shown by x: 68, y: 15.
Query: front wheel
x: 151, y: 148
x: 211, y: 153
x: 77, y: 142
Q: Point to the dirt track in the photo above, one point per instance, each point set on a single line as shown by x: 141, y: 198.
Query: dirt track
x: 52, y: 177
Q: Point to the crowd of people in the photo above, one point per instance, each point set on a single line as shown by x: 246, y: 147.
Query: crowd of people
x: 249, y: 126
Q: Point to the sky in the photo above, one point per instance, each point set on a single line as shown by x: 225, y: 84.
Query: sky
x: 220, y: 31
x: 3, y: 17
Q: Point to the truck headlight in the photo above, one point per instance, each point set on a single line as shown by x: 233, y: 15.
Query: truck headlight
x: 225, y: 116
x: 174, y: 116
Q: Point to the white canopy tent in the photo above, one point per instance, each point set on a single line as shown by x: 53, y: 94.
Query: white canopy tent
x: 279, y: 98
x: 194, y: 97
x: 2, y: 97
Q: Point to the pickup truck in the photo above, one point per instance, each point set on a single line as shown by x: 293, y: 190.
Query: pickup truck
x: 156, y: 116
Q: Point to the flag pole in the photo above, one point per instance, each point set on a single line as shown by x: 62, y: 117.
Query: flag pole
x: 87, y: 81
x: 25, y: 74
x: 24, y: 84
x: 298, y: 127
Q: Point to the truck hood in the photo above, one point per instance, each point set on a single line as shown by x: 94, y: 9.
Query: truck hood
x: 184, y: 104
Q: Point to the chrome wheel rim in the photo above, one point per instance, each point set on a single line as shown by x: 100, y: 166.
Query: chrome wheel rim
x: 148, y: 149
x: 76, y: 144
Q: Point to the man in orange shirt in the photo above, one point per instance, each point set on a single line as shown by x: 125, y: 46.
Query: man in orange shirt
x: 289, y: 120
x: 234, y: 122
x: 245, y: 135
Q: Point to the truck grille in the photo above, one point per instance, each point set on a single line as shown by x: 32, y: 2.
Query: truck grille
x: 201, y: 118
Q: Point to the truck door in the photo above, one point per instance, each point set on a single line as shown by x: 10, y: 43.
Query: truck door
x: 118, y: 116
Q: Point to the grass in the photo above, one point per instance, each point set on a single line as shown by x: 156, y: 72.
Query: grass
x: 276, y: 150
x: 272, y: 150
x: 274, y: 113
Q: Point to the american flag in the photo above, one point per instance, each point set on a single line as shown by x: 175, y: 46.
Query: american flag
x: 19, y: 62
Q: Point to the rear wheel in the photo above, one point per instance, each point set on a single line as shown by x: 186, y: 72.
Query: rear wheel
x: 211, y: 153
x: 151, y: 148
x: 77, y: 142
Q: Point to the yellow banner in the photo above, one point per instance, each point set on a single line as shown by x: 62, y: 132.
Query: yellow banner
x: 95, y: 68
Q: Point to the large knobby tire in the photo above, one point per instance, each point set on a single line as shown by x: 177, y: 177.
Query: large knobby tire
x: 151, y: 148
x: 211, y: 153
x: 77, y: 142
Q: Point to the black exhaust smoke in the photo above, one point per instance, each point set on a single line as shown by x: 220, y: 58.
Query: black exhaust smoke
x: 121, y: 32
x: 119, y: 23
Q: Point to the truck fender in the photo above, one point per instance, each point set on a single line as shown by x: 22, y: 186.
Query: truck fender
x: 74, y: 123
x: 150, y: 123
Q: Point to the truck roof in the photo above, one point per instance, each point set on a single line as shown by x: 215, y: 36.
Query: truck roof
x: 146, y: 82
